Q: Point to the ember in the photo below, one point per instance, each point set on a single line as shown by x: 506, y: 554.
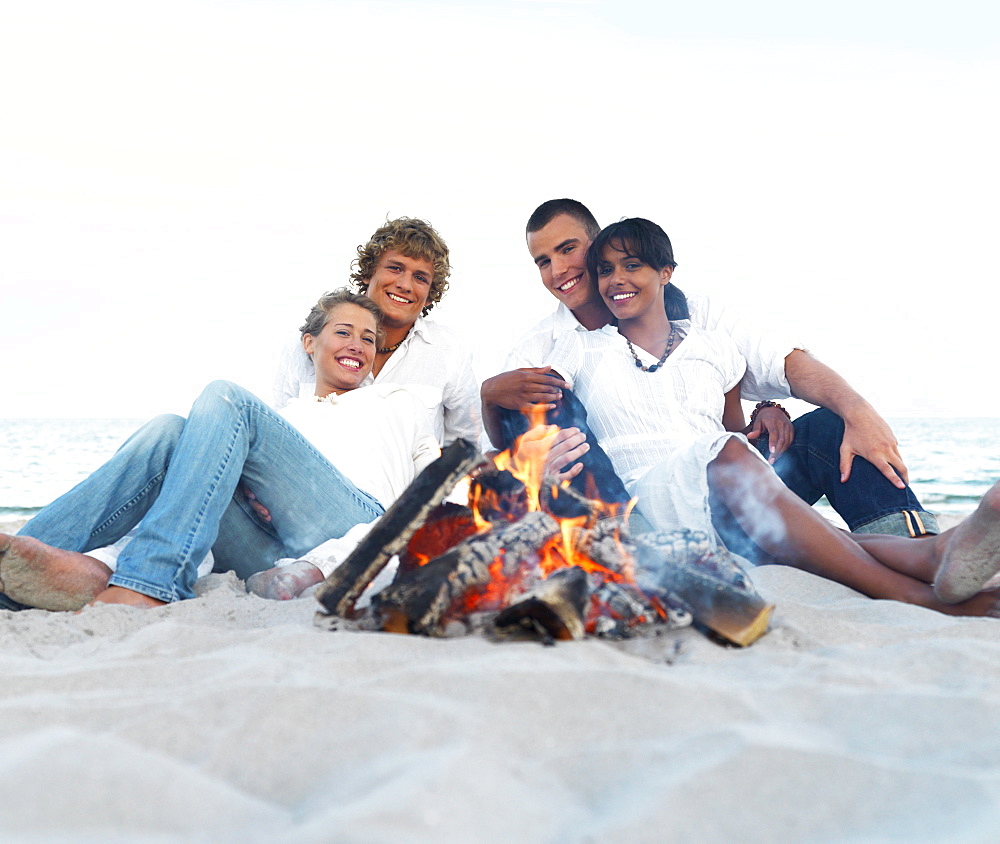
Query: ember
x: 530, y: 557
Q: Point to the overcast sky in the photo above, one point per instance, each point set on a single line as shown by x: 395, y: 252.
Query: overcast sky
x: 180, y: 181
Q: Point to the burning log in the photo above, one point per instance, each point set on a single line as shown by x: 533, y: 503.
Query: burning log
x: 418, y: 601
x: 446, y: 526
x: 526, y: 528
x: 554, y: 608
x: 498, y: 495
x: 706, y: 579
x: 565, y: 502
x: 620, y: 609
x: 392, y: 532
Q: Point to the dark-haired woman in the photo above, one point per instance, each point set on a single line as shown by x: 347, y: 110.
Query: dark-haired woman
x: 662, y: 397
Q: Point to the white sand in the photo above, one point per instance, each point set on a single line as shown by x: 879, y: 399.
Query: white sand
x: 233, y: 718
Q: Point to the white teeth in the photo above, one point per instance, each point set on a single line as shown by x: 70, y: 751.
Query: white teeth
x: 569, y: 285
x: 350, y: 362
x: 619, y: 296
x: 399, y: 299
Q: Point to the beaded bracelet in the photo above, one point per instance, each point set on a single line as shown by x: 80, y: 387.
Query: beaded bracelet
x: 762, y: 404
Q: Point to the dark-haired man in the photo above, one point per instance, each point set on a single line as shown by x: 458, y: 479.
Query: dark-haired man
x: 815, y: 458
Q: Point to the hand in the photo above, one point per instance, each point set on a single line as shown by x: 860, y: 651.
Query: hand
x: 257, y: 507
x: 521, y: 388
x: 868, y: 435
x: 778, y: 427
x: 529, y: 456
x: 569, y: 445
x: 282, y: 583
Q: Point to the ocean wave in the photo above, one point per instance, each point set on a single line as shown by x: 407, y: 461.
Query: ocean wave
x: 18, y: 512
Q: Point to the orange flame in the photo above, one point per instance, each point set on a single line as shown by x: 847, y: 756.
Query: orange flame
x: 526, y: 461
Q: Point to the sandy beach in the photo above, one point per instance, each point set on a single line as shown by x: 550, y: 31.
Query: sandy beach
x: 233, y: 717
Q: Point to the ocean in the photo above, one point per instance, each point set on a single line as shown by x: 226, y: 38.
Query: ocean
x: 952, y: 462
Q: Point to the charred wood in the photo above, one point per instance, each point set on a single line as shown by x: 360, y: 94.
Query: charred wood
x: 565, y: 502
x: 553, y: 609
x: 498, y: 495
x: 686, y: 565
x: 418, y: 601
x: 446, y: 526
x: 391, y: 533
x: 620, y: 610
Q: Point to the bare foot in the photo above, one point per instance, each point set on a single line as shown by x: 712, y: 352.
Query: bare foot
x: 986, y: 603
x: 970, y: 552
x: 284, y: 582
x: 48, y: 578
x: 126, y: 597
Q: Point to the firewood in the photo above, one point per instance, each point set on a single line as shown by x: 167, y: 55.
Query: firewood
x: 621, y: 609
x: 446, y: 526
x: 390, y: 534
x: 706, y: 579
x: 499, y: 496
x: 565, y: 502
x: 554, y: 608
x: 418, y: 601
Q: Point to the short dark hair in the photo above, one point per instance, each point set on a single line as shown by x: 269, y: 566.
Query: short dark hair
x: 552, y: 208
x: 649, y: 243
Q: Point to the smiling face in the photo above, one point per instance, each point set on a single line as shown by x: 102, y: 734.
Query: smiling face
x: 400, y: 286
x: 344, y: 349
x: 559, y: 250
x: 629, y: 286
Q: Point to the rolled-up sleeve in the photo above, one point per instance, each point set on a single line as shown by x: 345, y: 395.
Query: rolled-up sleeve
x: 462, y: 409
x: 567, y: 357
x: 764, y: 353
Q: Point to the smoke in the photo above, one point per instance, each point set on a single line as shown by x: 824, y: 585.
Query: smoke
x: 751, y: 522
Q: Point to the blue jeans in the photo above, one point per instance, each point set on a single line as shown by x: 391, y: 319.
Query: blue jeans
x: 598, y: 478
x: 868, y: 502
x: 811, y: 469
x: 179, y: 478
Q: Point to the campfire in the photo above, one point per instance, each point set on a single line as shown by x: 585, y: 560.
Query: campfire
x: 531, y: 557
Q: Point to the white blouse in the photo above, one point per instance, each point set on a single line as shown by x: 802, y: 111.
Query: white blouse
x: 377, y: 435
x: 642, y: 418
x: 764, y: 352
x: 433, y: 362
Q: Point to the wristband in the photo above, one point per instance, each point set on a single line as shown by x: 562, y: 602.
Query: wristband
x: 762, y: 404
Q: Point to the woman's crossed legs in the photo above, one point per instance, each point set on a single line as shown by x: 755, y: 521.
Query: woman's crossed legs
x: 943, y: 572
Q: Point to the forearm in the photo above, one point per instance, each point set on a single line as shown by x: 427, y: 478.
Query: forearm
x: 516, y: 390
x: 491, y: 422
x: 866, y: 434
x: 815, y: 382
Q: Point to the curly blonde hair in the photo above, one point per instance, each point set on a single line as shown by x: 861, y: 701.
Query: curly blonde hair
x: 413, y: 238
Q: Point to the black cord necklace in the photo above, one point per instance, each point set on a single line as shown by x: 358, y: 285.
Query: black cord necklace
x: 670, y: 344
x: 391, y: 349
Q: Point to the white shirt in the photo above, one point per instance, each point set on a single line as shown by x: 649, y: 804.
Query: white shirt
x: 388, y: 417
x: 764, y: 354
x: 392, y: 417
x: 432, y: 361
x: 661, y: 429
x: 643, y: 418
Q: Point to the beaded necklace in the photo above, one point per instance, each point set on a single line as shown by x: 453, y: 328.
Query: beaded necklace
x: 670, y: 344
x: 393, y: 348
